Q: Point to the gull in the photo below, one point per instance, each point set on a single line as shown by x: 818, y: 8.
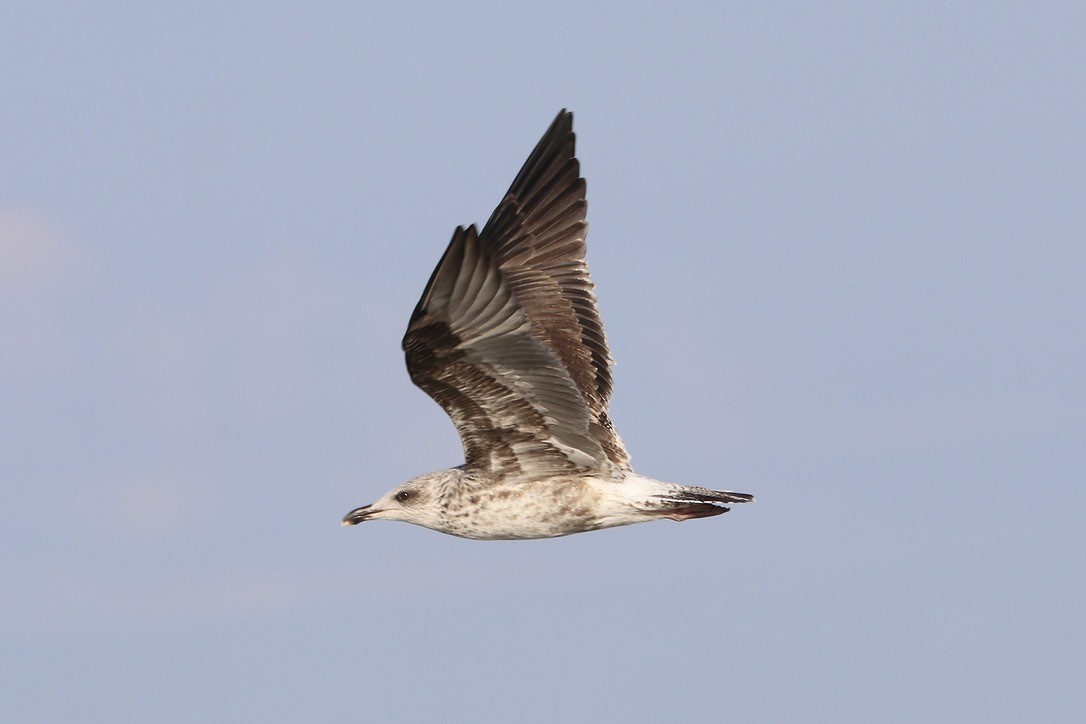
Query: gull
x: 507, y: 338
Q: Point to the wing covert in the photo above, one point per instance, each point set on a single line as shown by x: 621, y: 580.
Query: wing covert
x: 507, y: 337
x: 469, y: 346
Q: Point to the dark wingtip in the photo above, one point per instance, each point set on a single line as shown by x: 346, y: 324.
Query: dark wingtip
x: 704, y: 495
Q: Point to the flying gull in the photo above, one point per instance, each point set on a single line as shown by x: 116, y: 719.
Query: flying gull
x: 508, y: 340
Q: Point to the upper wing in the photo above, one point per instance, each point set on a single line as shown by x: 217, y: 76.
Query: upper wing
x: 537, y: 237
x: 470, y: 347
x: 507, y: 337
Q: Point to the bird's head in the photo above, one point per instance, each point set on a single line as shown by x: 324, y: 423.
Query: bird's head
x: 417, y: 501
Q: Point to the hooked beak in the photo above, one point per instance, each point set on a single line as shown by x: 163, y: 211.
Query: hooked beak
x: 358, y: 515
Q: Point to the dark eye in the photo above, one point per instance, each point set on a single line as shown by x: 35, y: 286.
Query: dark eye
x: 403, y: 496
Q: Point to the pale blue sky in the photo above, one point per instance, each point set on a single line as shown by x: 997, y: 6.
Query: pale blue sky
x: 840, y: 254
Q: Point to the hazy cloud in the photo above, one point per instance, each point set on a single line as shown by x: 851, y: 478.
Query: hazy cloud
x: 32, y: 252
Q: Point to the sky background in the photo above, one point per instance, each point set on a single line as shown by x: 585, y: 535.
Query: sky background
x: 841, y: 254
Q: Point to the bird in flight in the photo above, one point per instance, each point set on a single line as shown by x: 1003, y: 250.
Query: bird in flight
x: 508, y: 340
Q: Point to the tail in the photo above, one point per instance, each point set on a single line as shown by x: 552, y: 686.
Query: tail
x: 690, y: 502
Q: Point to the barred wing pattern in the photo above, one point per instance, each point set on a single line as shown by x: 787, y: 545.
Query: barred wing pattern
x: 507, y: 337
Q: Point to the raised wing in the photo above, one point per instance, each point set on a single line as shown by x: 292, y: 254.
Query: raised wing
x: 507, y: 337
x: 537, y: 237
x: 471, y: 348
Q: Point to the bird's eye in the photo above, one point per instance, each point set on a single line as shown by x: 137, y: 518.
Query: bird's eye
x: 403, y: 496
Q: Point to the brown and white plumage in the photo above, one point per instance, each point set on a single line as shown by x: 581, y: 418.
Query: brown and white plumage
x: 507, y: 338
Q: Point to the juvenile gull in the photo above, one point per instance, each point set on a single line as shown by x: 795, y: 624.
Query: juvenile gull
x: 508, y: 340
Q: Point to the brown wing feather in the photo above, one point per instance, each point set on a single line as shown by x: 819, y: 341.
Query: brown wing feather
x: 537, y: 238
x: 507, y: 337
x: 469, y: 346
